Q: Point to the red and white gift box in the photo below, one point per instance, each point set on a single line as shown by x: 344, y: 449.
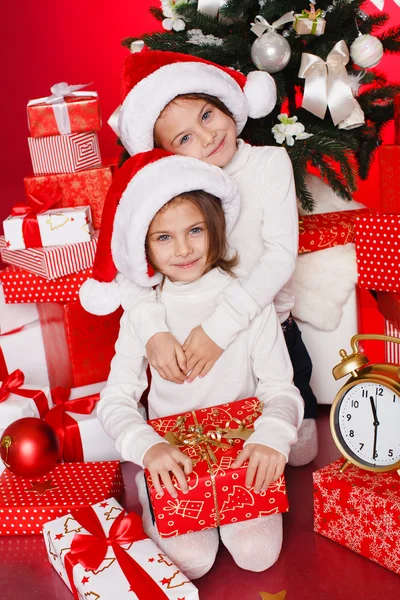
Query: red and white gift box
x: 56, y: 227
x: 20, y: 286
x: 389, y: 158
x: 54, y: 261
x: 81, y: 436
x: 27, y: 504
x: 126, y: 566
x: 19, y: 399
x: 217, y: 493
x: 378, y: 252
x: 64, y: 153
x: 360, y: 510
x: 85, y: 188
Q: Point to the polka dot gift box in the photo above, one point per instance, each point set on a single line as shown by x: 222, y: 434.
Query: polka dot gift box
x: 378, y: 252
x: 213, y: 437
x: 27, y: 504
x: 102, y: 552
x: 20, y: 286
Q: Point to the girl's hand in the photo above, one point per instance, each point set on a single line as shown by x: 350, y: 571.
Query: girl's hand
x: 201, y: 353
x: 163, y: 459
x: 166, y: 356
x: 265, y: 465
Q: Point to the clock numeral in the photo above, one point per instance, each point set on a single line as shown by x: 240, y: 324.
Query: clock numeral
x: 394, y: 398
x: 379, y: 391
x: 364, y: 394
x: 351, y: 433
x: 355, y: 403
x: 361, y: 445
x: 348, y: 417
x: 390, y: 453
x: 376, y: 454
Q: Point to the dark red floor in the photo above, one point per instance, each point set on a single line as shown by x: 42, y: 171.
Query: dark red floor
x: 310, y: 567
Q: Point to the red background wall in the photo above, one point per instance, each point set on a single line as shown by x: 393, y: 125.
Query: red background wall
x: 78, y: 41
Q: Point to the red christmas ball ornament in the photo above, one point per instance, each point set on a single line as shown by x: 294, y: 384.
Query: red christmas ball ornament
x: 29, y: 447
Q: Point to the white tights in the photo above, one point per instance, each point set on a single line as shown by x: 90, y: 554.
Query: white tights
x: 254, y: 545
x: 306, y: 447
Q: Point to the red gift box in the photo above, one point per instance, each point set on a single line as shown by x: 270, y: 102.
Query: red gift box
x: 26, y: 504
x: 360, y: 510
x: 370, y: 320
x: 378, y: 252
x: 53, y: 261
x: 318, y: 232
x: 389, y: 306
x: 81, y: 114
x: 397, y: 120
x: 389, y: 159
x: 20, y: 286
x: 85, y: 188
x: 78, y: 346
x: 217, y: 494
x: 64, y: 153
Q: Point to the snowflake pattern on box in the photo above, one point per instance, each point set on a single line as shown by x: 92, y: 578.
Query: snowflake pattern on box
x: 217, y: 493
x: 360, y: 510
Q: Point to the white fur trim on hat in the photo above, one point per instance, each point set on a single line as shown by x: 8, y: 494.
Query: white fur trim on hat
x: 144, y: 103
x: 151, y: 188
x: 99, y: 297
x: 260, y: 93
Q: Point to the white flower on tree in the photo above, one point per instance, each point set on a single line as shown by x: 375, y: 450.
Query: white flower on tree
x: 289, y: 130
x: 172, y: 20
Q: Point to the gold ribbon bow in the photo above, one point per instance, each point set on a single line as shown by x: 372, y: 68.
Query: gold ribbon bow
x: 326, y: 83
x: 184, y: 436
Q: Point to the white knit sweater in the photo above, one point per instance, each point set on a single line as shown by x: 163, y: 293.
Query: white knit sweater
x: 266, y: 239
x: 255, y: 364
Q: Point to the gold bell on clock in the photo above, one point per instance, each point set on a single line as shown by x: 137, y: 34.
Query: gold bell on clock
x: 365, y: 414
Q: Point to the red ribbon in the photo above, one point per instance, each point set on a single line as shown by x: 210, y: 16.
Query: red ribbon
x: 30, y: 225
x: 90, y: 550
x: 66, y: 428
x: 13, y: 384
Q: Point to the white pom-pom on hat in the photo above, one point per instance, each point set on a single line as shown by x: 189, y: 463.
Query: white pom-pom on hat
x: 260, y: 94
x: 99, y: 297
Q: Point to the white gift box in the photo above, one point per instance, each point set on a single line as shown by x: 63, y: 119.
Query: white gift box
x: 108, y: 581
x: 57, y: 226
x: 17, y: 407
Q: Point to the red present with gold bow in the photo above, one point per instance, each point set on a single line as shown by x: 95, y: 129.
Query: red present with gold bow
x: 85, y: 188
x: 103, y: 552
x: 318, y: 232
x: 81, y: 437
x: 213, y: 438
x: 27, y: 504
x: 360, y: 510
x: 18, y: 400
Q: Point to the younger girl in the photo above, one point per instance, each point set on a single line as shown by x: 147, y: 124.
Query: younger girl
x: 167, y: 227
x: 191, y: 107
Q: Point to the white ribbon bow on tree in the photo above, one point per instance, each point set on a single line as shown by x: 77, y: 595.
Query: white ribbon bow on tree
x: 380, y: 3
x: 261, y: 25
x: 326, y: 83
x: 59, y: 91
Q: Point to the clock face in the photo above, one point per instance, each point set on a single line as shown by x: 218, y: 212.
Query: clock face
x: 368, y: 423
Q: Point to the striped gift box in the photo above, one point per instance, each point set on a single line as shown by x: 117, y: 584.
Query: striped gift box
x: 64, y: 153
x: 53, y: 261
x: 392, y: 350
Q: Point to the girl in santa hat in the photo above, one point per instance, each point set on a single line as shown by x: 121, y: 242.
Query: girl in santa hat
x: 195, y: 108
x: 165, y: 225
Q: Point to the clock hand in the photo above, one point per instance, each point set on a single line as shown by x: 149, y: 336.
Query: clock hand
x: 376, y: 424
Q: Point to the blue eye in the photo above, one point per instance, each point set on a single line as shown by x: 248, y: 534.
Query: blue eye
x: 184, y: 139
x: 196, y: 230
x: 206, y: 115
x: 163, y: 238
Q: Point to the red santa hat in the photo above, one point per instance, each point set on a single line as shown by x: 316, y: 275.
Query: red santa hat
x: 152, y: 78
x: 143, y: 185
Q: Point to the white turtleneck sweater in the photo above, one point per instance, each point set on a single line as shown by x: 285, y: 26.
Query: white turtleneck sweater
x: 256, y: 363
x: 266, y: 239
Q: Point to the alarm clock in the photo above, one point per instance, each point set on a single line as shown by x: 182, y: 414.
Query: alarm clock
x: 365, y: 414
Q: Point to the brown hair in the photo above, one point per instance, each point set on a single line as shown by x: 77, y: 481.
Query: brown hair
x: 212, y: 211
x: 213, y: 100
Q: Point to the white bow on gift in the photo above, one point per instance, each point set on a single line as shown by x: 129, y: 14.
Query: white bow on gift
x: 380, y: 3
x: 260, y: 25
x: 59, y: 91
x: 326, y: 83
